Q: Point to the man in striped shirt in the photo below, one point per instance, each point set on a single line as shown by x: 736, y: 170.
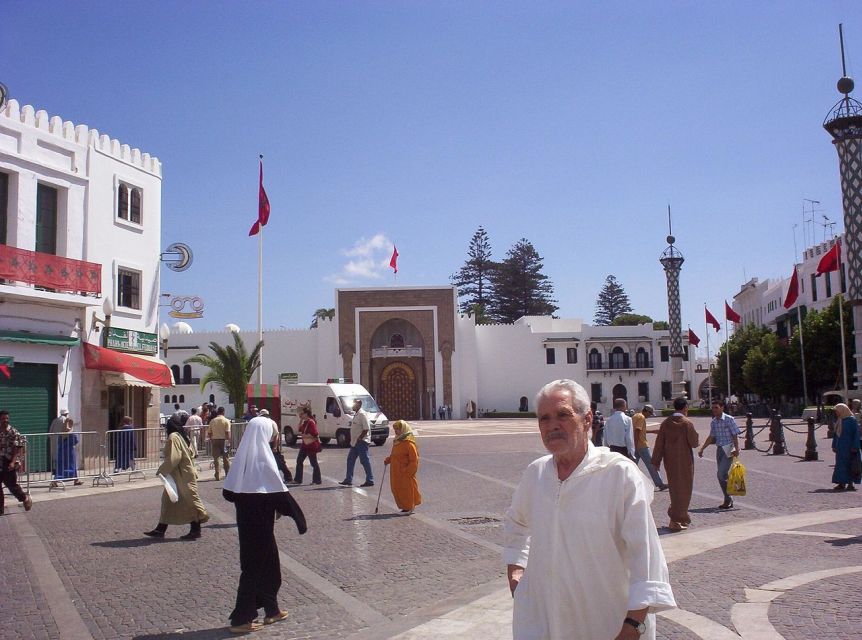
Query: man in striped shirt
x: 724, y: 433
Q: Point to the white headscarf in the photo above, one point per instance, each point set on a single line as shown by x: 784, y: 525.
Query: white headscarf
x: 253, y: 469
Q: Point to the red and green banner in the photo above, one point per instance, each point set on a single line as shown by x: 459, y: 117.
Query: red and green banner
x: 152, y: 371
x: 6, y: 363
x: 50, y: 271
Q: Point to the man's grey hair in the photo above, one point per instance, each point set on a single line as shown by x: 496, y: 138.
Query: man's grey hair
x: 580, y: 399
x: 620, y: 404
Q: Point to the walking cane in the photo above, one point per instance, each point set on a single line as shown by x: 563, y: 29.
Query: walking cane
x: 380, y: 493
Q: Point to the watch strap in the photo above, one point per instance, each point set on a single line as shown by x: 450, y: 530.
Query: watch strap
x: 640, y: 626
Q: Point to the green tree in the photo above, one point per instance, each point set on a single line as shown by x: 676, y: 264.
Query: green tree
x: 661, y: 325
x: 520, y: 286
x: 230, y: 369
x: 630, y: 320
x: 822, y: 337
x: 769, y: 370
x: 475, y: 280
x: 740, y: 343
x: 322, y: 314
x: 612, y: 302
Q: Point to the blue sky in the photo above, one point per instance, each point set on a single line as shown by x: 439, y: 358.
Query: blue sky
x: 571, y: 124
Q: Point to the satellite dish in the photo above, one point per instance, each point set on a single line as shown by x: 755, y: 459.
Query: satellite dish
x: 181, y: 256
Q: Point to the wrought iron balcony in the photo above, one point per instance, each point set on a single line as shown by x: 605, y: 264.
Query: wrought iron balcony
x: 616, y: 366
x: 56, y: 273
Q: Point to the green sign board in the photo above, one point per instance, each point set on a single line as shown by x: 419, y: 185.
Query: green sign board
x: 131, y: 341
x: 289, y: 378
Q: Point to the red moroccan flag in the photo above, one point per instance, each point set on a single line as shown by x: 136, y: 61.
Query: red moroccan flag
x: 692, y: 338
x: 831, y: 260
x: 711, y: 320
x: 730, y: 314
x: 393, y: 261
x: 262, y: 206
x: 793, y: 289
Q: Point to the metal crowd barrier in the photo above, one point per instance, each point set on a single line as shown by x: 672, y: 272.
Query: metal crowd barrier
x: 56, y: 459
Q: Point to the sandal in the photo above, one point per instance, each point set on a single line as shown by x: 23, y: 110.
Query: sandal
x: 278, y: 617
x: 248, y: 627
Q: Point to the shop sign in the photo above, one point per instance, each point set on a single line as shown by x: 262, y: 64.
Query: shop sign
x: 131, y: 341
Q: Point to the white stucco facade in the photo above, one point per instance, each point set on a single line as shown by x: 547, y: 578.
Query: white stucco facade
x: 497, y: 366
x: 61, y: 200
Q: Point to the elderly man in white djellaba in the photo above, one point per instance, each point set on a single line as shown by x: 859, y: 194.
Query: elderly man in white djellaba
x: 581, y: 517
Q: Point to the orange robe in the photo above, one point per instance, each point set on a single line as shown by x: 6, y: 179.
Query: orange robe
x: 404, y: 463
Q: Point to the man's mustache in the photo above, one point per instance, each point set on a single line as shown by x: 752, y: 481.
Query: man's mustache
x: 556, y: 435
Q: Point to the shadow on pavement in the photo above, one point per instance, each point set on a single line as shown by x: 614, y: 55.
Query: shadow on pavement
x: 225, y: 525
x: 845, y: 542
x: 376, y: 516
x: 134, y: 542
x: 829, y: 490
x: 204, y: 634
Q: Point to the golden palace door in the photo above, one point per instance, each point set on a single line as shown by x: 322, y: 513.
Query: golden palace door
x: 398, y: 396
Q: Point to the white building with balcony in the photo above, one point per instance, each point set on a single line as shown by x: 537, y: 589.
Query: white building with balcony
x: 413, y: 350
x: 80, y: 231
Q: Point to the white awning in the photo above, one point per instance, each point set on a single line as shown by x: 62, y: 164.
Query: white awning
x: 117, y: 379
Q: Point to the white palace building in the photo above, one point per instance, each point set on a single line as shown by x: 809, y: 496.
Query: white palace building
x: 413, y: 350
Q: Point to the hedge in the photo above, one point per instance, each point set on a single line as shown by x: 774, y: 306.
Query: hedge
x: 508, y: 414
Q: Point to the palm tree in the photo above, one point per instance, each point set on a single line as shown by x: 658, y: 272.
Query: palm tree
x: 322, y: 314
x: 230, y: 369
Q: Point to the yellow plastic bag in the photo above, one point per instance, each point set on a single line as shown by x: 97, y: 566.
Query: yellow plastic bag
x: 736, y: 479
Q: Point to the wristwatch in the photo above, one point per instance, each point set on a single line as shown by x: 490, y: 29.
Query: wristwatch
x: 640, y: 626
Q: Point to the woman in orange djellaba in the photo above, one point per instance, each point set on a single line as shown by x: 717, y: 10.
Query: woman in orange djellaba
x: 404, y: 460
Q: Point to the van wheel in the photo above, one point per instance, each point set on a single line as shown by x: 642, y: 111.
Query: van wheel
x: 289, y: 437
x: 342, y: 438
x: 379, y: 441
x: 325, y: 440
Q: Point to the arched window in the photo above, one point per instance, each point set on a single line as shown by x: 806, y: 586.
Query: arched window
x: 187, y: 374
x: 212, y: 398
x: 642, y: 358
x: 396, y: 341
x: 167, y: 399
x: 123, y: 201
x: 174, y: 399
x: 619, y: 359
x: 594, y: 360
x: 135, y: 206
x: 175, y: 369
x: 523, y: 404
x: 182, y: 398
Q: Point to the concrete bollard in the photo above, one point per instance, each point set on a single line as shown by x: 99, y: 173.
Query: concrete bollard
x: 811, y: 442
x: 749, y: 432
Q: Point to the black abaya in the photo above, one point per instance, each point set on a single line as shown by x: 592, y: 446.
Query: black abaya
x: 260, y: 577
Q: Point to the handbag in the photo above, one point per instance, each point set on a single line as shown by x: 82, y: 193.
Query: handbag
x: 308, y: 439
x: 736, y: 479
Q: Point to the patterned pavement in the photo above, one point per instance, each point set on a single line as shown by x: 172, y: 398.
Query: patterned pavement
x: 779, y: 565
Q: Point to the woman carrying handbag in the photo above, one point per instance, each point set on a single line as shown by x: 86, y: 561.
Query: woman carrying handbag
x: 309, y: 448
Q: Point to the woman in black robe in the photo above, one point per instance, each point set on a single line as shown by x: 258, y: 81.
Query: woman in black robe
x: 255, y: 487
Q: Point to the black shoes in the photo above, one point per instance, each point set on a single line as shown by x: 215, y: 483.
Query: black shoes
x: 345, y: 483
x: 191, y: 535
x: 727, y: 504
x: 367, y: 483
x: 317, y: 482
x: 155, y: 533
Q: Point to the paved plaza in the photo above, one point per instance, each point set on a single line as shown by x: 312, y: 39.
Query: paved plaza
x: 786, y: 562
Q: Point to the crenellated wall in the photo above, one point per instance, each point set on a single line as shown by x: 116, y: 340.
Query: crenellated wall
x: 67, y: 132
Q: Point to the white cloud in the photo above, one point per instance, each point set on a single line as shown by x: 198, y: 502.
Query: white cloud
x: 368, y: 259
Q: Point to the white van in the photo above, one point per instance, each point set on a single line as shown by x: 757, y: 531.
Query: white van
x: 332, y: 406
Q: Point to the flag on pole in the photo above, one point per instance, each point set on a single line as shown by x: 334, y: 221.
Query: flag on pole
x: 262, y: 206
x: 792, y: 290
x: 711, y: 320
x: 393, y: 261
x: 831, y: 260
x: 692, y: 338
x: 730, y: 314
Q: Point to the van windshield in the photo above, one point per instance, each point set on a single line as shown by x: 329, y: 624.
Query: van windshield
x: 368, y: 403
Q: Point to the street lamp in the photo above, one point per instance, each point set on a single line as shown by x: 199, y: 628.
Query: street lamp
x: 108, y: 310
x: 165, y: 334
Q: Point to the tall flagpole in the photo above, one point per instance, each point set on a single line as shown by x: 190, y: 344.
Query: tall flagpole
x: 708, y: 359
x: 260, y: 295
x: 843, y: 348
x: 695, y: 393
x: 802, y: 353
x: 260, y: 303
x: 727, y: 352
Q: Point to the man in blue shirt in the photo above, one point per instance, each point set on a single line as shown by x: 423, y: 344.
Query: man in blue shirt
x: 724, y: 433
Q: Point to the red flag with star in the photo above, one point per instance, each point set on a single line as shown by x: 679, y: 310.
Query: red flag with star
x: 262, y: 206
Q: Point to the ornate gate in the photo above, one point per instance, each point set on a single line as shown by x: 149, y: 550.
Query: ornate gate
x: 398, y: 393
